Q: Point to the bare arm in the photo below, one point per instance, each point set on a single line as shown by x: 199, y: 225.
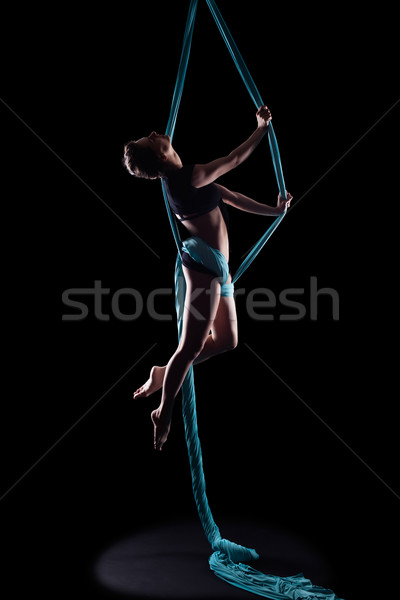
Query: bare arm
x: 203, y: 174
x: 247, y: 204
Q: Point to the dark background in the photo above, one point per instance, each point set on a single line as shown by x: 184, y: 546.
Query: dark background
x: 87, y: 83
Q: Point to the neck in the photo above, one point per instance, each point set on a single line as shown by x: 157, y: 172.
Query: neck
x: 173, y: 164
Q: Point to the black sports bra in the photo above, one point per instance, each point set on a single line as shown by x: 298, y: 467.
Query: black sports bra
x: 188, y: 202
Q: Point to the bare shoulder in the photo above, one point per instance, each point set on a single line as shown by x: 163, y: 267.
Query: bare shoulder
x: 204, y: 174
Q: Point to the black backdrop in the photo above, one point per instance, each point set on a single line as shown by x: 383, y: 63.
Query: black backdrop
x: 75, y: 88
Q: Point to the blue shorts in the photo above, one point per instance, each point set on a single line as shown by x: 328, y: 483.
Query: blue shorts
x: 190, y: 263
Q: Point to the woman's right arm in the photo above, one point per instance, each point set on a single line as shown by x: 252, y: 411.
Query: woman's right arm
x: 209, y: 172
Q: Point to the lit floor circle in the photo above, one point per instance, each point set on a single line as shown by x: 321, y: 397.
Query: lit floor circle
x: 171, y: 561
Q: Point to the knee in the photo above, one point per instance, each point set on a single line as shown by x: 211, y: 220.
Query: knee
x: 191, y: 349
x: 229, y: 344
x: 233, y: 344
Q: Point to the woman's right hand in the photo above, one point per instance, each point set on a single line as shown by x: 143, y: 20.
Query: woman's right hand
x: 263, y: 117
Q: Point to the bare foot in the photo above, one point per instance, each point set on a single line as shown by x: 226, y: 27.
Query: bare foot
x: 161, y: 429
x: 153, y: 383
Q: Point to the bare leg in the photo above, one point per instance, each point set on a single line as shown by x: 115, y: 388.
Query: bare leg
x: 199, y: 315
x: 157, y: 373
x: 222, y: 338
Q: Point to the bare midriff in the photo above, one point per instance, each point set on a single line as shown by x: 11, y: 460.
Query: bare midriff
x: 211, y: 227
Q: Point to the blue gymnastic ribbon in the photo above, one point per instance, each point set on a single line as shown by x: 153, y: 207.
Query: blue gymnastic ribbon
x: 227, y: 558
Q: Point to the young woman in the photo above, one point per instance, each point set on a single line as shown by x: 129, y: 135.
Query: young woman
x: 209, y: 319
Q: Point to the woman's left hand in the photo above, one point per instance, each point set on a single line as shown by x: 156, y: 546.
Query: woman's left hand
x: 284, y: 204
x: 263, y: 117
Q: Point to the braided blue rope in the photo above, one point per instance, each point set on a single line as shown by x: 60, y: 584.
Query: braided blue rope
x: 228, y: 557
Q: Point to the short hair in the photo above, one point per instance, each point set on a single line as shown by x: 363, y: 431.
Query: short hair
x: 141, y: 161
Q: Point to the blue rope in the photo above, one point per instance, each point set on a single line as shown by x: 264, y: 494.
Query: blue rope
x: 226, y: 560
x: 176, y: 100
x: 255, y: 96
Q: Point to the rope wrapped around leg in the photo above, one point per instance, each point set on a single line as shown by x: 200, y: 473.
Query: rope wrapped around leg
x: 228, y: 558
x: 226, y: 561
x: 213, y: 259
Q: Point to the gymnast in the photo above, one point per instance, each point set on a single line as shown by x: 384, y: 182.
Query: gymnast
x: 209, y: 320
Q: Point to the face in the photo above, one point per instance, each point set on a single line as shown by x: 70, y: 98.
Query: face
x: 161, y: 144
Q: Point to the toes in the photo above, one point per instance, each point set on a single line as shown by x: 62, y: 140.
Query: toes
x: 158, y: 446
x: 140, y: 392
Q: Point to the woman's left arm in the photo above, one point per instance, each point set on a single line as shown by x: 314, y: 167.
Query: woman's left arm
x: 247, y: 204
